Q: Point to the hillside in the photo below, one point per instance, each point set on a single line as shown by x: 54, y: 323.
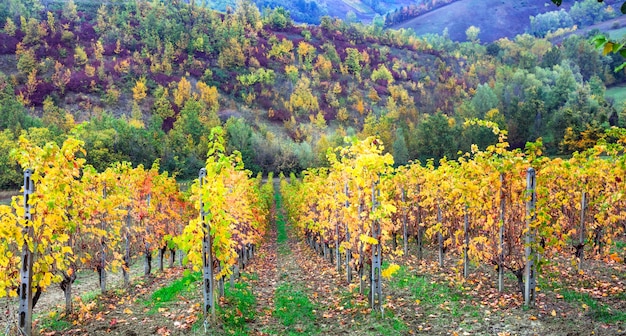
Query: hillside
x: 149, y: 81
x: 495, y: 18
x: 311, y: 11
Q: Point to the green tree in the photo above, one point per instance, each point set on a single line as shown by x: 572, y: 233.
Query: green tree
x: 400, y: 150
x: 353, y: 60
x: 435, y: 138
x: 13, y: 115
x: 484, y: 99
x: 239, y: 138
x: 382, y: 73
x: 9, y: 169
x: 277, y: 18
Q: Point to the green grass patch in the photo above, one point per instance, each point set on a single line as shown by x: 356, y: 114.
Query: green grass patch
x: 281, y: 226
x: 54, y: 323
x: 90, y: 296
x: 387, y: 324
x: 618, y: 93
x: 423, y: 289
x: 294, y: 310
x: 373, y: 323
x: 432, y: 295
x: 618, y: 246
x: 238, y: 309
x: 598, y: 311
x: 169, y: 293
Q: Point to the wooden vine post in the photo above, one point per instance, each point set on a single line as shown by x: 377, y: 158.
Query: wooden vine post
x: 207, y: 258
x: 25, y: 313
x: 361, y: 262
x: 376, y: 292
x: 337, y: 253
x: 126, y: 268
x: 405, y: 234
x: 466, y: 247
x: 440, y: 236
x: 530, y: 271
x: 501, y: 236
x: 580, y: 249
x: 348, y: 251
x: 147, y: 268
x: 419, y: 235
x: 103, y: 257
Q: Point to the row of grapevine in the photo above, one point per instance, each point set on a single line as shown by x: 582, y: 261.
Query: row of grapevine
x: 71, y: 217
x: 234, y: 211
x: 342, y: 210
x: 511, y: 209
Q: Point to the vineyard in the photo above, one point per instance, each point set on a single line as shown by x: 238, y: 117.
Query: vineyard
x: 361, y: 246
x: 516, y: 211
x: 72, y: 218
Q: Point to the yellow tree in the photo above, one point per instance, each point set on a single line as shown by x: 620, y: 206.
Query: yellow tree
x: 182, y: 92
x: 140, y: 90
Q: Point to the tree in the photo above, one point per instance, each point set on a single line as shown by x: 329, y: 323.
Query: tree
x: 61, y: 76
x: 9, y: 27
x: 26, y: 59
x: 472, y: 34
x: 382, y: 73
x: 607, y: 45
x: 400, y: 150
x: 277, y: 18
x: 182, y: 92
x: 139, y: 90
x: 232, y: 55
x: 70, y: 11
x: 353, y: 60
x: 9, y: 173
x: 544, y: 23
x: 162, y: 106
x: 435, y: 138
x: 80, y: 56
x: 484, y: 99
x: 209, y: 96
x: 302, y: 100
x: 12, y: 113
x: 239, y: 138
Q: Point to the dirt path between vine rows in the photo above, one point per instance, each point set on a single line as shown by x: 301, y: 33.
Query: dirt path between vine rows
x: 264, y: 265
x: 286, y: 263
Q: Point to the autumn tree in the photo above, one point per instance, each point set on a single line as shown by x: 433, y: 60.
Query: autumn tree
x: 182, y: 92
x: 302, y: 100
x: 382, y: 73
x: 139, y: 90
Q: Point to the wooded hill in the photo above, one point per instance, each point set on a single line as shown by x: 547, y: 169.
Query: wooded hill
x: 140, y: 81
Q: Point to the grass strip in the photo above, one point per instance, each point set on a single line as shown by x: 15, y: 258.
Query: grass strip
x: 170, y: 292
x: 294, y: 310
x: 238, y: 308
x: 598, y: 311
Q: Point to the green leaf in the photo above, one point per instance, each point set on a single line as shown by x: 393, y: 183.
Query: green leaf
x: 619, y: 68
x: 623, y: 8
x: 599, y: 41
